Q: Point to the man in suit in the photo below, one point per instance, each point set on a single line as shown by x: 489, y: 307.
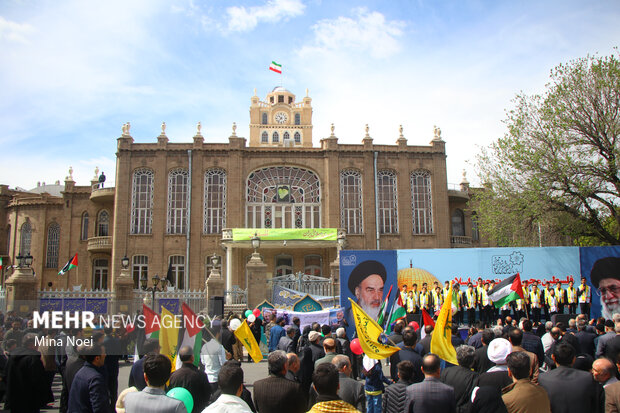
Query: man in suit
x: 569, y: 390
x: 431, y: 395
x: 136, y: 375
x: 351, y: 391
x: 515, y: 336
x: 89, y: 391
x: 531, y: 342
x: 461, y: 377
x: 286, y: 342
x: 524, y: 396
x: 612, y: 395
x: 192, y: 379
x: 424, y: 346
x: 292, y: 367
x: 276, y: 393
x: 325, y: 381
x: 153, y: 399
x: 481, y: 357
x: 329, y: 346
x: 585, y: 338
x: 407, y: 353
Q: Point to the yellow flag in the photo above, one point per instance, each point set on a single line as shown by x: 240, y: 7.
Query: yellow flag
x: 441, y: 340
x: 368, y: 332
x: 169, y: 335
x: 244, y: 334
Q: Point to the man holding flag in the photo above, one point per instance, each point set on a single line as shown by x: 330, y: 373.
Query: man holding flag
x: 441, y: 341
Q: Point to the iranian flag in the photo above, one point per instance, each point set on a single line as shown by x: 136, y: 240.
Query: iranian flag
x: 398, y: 312
x: 275, y: 67
x: 506, y: 291
x: 190, y: 334
x: 72, y: 263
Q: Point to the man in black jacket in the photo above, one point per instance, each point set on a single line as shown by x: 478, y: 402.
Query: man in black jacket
x: 394, y: 399
x: 276, y: 393
x: 192, y: 379
x: 461, y: 377
x: 481, y: 358
x: 532, y: 343
x: 26, y: 384
x: 89, y: 390
x: 569, y: 389
x: 407, y: 353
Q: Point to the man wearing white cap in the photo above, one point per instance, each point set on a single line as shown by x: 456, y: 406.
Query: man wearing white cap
x: 497, y: 376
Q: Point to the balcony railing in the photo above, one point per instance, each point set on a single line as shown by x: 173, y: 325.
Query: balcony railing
x: 98, y: 193
x: 457, y: 240
x: 100, y: 244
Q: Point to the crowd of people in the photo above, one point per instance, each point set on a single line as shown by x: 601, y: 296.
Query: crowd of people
x: 511, y: 365
x: 474, y: 303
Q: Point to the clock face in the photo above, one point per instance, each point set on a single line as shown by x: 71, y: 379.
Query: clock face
x: 281, y: 117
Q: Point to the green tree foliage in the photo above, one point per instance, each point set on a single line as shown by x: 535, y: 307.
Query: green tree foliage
x: 557, y: 165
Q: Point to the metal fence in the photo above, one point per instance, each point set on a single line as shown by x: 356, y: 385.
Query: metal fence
x: 235, y: 300
x: 305, y: 283
x: 171, y: 300
x: 3, y: 300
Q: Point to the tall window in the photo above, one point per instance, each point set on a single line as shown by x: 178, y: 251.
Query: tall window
x: 351, y: 201
x: 475, y: 233
x: 142, y: 202
x: 177, y: 201
x: 177, y: 263
x: 25, y: 237
x: 297, y: 137
x: 8, y: 239
x: 283, y: 197
x: 264, y: 137
x: 84, y: 231
x: 284, y: 265
x: 103, y: 223
x: 388, y: 202
x: 100, y: 274
x: 313, y: 265
x: 264, y: 118
x: 421, y: 202
x: 458, y: 223
x: 297, y: 119
x: 214, y: 201
x: 140, y: 269
x: 276, y: 137
x: 286, y: 136
x: 53, y: 244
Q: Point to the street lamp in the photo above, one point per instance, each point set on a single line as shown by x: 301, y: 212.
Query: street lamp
x: 215, y: 261
x: 124, y: 262
x: 24, y: 260
x: 144, y: 284
x: 28, y: 260
x: 255, y: 240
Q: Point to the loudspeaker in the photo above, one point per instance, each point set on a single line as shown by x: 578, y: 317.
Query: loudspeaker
x: 414, y: 317
x: 562, y: 318
x: 216, y: 306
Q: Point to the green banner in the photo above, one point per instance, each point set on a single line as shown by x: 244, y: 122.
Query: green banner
x: 281, y: 234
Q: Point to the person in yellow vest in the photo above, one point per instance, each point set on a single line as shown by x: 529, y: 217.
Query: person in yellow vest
x: 552, y: 303
x: 520, y: 308
x: 479, y: 288
x: 584, y: 297
x: 470, y: 304
x: 526, y: 298
x: 560, y: 293
x: 494, y: 311
x: 404, y: 293
x: 545, y: 297
x: 571, y: 297
x: 459, y: 303
x: 445, y: 289
x: 424, y: 298
x: 487, y: 306
x: 437, y: 298
x: 411, y: 303
x: 535, y: 302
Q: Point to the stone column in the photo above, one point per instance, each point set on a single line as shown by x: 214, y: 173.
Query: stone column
x: 214, y: 284
x: 21, y: 291
x: 257, y: 281
x: 123, y: 293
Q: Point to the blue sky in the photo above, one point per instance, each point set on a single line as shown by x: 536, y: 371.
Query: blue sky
x: 72, y: 72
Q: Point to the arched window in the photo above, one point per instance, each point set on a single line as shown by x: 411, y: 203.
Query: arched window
x: 177, y: 265
x: 388, y: 202
x: 297, y: 137
x: 103, y: 223
x: 53, y: 245
x: 458, y: 223
x: 140, y: 269
x: 177, y: 201
x: 100, y: 274
x: 264, y: 138
x: 421, y: 202
x: 142, y: 201
x: 264, y: 118
x: 351, y: 201
x: 286, y: 136
x: 8, y: 239
x: 475, y: 233
x: 284, y: 265
x: 313, y: 265
x: 84, y: 230
x: 214, y: 201
x: 297, y: 119
x: 283, y: 197
x: 275, y: 138
x: 25, y: 237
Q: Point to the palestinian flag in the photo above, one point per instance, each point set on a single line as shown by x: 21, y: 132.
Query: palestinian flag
x: 275, y: 67
x: 383, y: 308
x: 1, y: 263
x: 427, y: 320
x: 506, y: 291
x: 190, y: 334
x: 72, y: 263
x: 152, y: 325
x: 398, y: 312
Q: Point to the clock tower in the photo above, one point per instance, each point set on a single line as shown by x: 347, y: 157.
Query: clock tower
x: 280, y: 121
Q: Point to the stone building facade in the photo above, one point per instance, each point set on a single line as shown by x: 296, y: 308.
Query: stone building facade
x: 174, y: 204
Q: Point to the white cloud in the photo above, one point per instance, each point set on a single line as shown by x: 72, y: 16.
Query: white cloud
x: 242, y: 19
x: 14, y: 32
x: 366, y: 32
